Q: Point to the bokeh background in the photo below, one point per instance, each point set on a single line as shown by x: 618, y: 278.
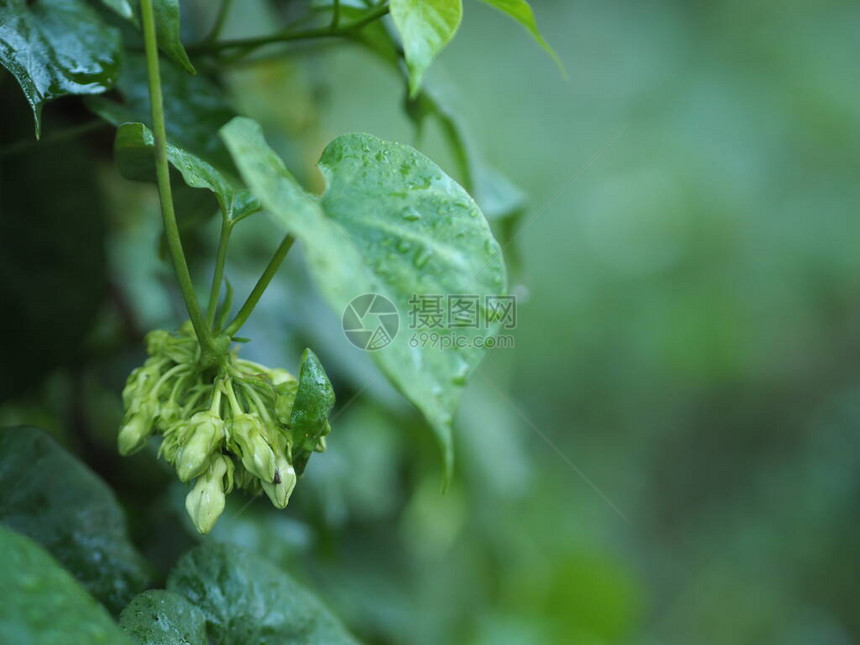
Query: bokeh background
x: 670, y: 453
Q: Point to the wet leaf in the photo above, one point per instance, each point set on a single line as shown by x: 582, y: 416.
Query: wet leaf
x: 390, y: 223
x: 159, y: 617
x: 57, y: 47
x: 247, y: 600
x: 43, y: 604
x: 309, y: 416
x: 54, y: 499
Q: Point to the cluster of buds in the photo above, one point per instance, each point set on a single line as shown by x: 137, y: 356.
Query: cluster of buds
x: 233, y: 426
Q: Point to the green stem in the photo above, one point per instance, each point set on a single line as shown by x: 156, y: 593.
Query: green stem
x: 219, y: 21
x: 335, y: 14
x: 260, y: 287
x: 171, y: 230
x: 218, y: 276
x: 249, y: 44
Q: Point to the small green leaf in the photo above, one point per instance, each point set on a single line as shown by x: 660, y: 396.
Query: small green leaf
x: 309, y: 416
x: 250, y: 601
x: 57, y: 47
x: 391, y: 223
x: 167, y: 32
x: 43, y: 604
x: 51, y: 497
x: 134, y: 151
x: 159, y: 617
x: 521, y: 11
x: 425, y: 27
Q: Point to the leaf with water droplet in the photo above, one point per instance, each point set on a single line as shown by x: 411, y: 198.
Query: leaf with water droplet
x: 343, y: 232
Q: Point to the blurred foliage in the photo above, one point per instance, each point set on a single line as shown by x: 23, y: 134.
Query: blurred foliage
x: 689, y: 331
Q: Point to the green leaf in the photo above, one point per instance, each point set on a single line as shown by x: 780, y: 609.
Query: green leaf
x: 43, y: 604
x: 194, y: 108
x: 521, y: 11
x: 51, y: 497
x: 159, y: 617
x: 248, y: 600
x: 167, y: 32
x: 57, y: 47
x: 309, y: 416
x: 390, y: 223
x: 134, y: 151
x: 425, y: 27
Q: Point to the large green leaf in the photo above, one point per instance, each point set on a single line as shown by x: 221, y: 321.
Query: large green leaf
x: 57, y: 47
x: 249, y: 601
x: 521, y: 11
x: 391, y: 223
x: 309, y: 416
x: 48, y: 495
x: 42, y: 604
x: 159, y: 617
x: 134, y: 150
x: 425, y: 27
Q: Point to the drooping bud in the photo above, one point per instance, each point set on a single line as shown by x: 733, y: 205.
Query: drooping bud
x: 281, y: 488
x: 205, y: 502
x: 256, y: 453
x: 156, y: 341
x: 136, y: 428
x: 206, y: 431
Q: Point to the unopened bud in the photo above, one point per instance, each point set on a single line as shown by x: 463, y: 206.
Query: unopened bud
x: 205, y: 502
x: 285, y: 400
x: 282, y: 486
x: 257, y: 455
x: 134, y: 433
x: 156, y: 341
x: 206, y: 431
x: 279, y: 376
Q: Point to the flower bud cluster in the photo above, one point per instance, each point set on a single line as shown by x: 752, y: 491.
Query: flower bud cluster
x: 223, y: 428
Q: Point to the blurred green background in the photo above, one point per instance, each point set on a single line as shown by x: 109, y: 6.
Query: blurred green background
x: 670, y: 453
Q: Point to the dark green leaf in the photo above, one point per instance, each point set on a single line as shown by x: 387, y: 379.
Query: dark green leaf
x: 309, y: 416
x: 134, y: 150
x: 159, y: 617
x: 248, y: 600
x: 194, y: 108
x: 122, y: 8
x: 521, y: 11
x: 391, y: 223
x: 42, y: 604
x: 425, y: 27
x: 57, y: 47
x: 51, y: 497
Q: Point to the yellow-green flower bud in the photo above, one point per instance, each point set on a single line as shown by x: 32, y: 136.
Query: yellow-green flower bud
x: 156, y: 341
x: 136, y: 428
x: 205, y: 502
x: 256, y: 453
x: 281, y: 488
x: 278, y: 376
x: 204, y: 436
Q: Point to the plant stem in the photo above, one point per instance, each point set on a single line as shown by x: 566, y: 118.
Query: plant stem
x: 261, y: 285
x: 335, y: 14
x: 171, y: 230
x: 250, y: 44
x: 219, y: 21
x: 218, y: 276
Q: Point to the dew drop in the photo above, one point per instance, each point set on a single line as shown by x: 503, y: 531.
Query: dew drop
x: 410, y: 214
